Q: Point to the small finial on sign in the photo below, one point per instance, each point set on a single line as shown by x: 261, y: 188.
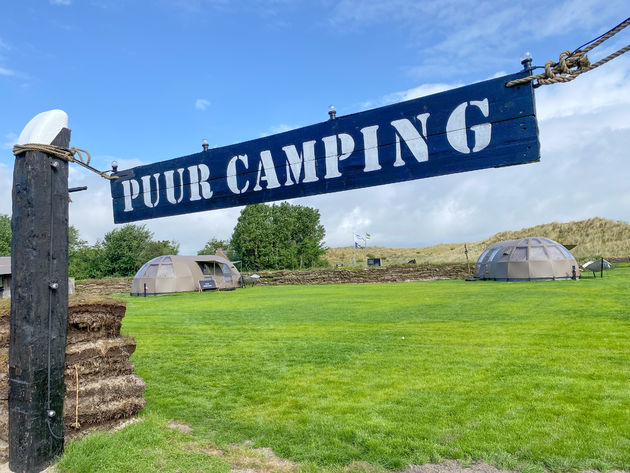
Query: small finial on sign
x: 332, y: 112
x: 205, y: 144
x: 115, y: 166
x: 526, y: 61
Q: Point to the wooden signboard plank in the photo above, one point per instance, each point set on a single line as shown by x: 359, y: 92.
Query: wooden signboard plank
x: 474, y: 127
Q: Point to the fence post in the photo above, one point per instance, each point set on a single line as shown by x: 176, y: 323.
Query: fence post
x: 39, y: 302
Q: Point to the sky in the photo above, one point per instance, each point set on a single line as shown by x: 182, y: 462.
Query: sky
x: 144, y: 82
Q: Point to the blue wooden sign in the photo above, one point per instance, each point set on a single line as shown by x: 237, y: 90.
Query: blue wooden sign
x: 474, y: 127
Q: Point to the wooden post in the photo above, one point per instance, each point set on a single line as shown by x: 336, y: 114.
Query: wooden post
x: 39, y: 308
x: 467, y: 260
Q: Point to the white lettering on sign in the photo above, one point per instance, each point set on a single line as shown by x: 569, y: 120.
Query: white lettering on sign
x: 413, y: 139
x: 199, y: 175
x: 131, y: 190
x: 231, y: 174
x: 147, y: 191
x: 370, y: 145
x: 456, y: 128
x: 332, y: 156
x: 170, y: 186
x: 270, y: 176
x: 296, y: 161
x: 193, y: 183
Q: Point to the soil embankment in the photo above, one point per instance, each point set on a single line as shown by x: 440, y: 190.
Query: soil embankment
x: 420, y: 272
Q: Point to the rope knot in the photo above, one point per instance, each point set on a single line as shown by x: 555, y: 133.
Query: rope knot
x: 573, y: 63
x: 66, y: 154
x: 569, y: 65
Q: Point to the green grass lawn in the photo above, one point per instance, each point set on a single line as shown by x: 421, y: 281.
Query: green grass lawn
x: 531, y: 375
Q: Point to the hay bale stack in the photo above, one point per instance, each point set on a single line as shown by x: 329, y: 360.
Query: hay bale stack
x: 97, y: 355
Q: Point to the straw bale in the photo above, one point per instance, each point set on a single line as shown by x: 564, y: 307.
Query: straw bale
x: 103, y: 391
x: 88, y: 370
x: 4, y: 420
x: 4, y: 359
x: 100, y: 401
x: 90, y: 414
x: 90, y: 353
x: 4, y: 386
x: 95, y: 350
x: 73, y: 301
x: 4, y: 330
x: 112, y: 347
x: 89, y: 318
x: 95, y: 316
x: 98, y: 368
x: 98, y: 413
x: 77, y: 335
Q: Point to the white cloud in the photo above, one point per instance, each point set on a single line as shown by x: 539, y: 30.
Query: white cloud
x: 456, y: 37
x: 202, y: 104
x: 409, y: 94
x: 6, y: 72
x: 420, y: 91
x: 275, y: 129
x: 61, y: 2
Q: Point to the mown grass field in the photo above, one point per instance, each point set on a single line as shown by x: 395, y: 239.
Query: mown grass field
x: 343, y: 378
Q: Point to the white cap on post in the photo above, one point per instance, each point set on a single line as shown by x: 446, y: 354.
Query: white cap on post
x: 44, y: 128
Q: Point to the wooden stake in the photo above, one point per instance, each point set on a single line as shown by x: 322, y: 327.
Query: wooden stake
x: 467, y: 260
x: 39, y: 308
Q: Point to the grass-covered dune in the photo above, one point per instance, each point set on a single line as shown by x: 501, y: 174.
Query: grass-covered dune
x: 594, y: 238
x: 344, y: 378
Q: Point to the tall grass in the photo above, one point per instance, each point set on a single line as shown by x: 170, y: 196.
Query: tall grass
x: 594, y: 237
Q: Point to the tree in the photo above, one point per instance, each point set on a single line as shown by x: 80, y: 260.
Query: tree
x: 5, y: 235
x: 278, y: 237
x: 82, y: 258
x: 121, y: 253
x: 121, y: 250
x: 213, y: 245
x: 87, y: 263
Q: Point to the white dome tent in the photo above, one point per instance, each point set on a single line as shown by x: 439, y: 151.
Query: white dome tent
x: 175, y: 273
x: 527, y: 259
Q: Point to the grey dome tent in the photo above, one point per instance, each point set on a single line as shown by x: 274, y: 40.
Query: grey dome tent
x: 527, y: 259
x: 174, y: 273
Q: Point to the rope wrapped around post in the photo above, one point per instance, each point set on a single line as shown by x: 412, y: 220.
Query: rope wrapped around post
x: 67, y: 154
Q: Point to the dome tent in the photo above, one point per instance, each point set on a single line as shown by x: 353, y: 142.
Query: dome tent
x: 527, y: 259
x: 174, y: 273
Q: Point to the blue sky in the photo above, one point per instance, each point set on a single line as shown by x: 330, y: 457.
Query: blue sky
x: 147, y: 81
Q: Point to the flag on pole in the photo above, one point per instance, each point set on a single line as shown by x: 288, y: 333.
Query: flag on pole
x: 367, y: 235
x: 359, y: 242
